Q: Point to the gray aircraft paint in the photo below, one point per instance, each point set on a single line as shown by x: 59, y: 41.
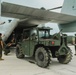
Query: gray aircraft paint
x: 69, y: 7
x: 7, y: 29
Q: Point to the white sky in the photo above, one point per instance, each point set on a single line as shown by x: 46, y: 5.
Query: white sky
x: 47, y: 4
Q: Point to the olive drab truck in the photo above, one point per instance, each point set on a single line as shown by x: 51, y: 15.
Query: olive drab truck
x: 38, y: 43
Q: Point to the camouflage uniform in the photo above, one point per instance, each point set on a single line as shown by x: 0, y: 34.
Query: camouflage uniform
x: 75, y: 44
x: 0, y: 48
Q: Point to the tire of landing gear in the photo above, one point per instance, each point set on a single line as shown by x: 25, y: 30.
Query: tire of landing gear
x: 42, y: 57
x: 18, y: 52
x: 65, y: 59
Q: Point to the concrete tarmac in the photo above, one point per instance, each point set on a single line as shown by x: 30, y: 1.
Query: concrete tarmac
x: 14, y: 66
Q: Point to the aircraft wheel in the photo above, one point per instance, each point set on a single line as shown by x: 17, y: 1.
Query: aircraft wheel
x: 18, y: 52
x: 65, y: 59
x: 42, y: 57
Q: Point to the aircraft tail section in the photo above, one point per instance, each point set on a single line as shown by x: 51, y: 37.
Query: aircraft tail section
x: 69, y: 7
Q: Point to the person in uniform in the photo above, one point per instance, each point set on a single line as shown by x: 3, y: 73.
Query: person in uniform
x: 1, y: 46
x: 74, y: 42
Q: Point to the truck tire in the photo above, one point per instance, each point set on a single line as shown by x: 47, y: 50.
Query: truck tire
x: 18, y: 52
x: 65, y: 59
x: 42, y: 57
x: 50, y: 56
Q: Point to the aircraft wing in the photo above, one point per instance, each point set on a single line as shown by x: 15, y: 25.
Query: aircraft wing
x: 34, y: 15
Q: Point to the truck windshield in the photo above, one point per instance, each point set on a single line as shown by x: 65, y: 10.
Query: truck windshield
x: 44, y: 34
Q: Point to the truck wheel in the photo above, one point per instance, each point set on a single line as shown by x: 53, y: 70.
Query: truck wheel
x: 65, y: 59
x: 42, y: 57
x: 18, y: 52
x: 50, y: 56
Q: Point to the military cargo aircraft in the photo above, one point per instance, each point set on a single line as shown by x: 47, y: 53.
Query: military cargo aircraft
x: 29, y: 16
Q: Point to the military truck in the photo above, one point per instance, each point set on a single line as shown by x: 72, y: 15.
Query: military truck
x: 38, y: 43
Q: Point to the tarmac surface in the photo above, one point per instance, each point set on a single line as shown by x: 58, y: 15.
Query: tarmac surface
x: 14, y: 66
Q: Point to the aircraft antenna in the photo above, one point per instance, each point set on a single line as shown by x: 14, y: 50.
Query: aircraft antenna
x: 55, y: 8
